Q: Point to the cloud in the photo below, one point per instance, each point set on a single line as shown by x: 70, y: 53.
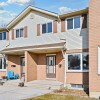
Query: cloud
x: 6, y: 17
x: 65, y: 10
x: 3, y: 4
x: 21, y: 2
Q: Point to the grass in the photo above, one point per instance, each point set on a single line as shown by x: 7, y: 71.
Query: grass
x: 59, y: 97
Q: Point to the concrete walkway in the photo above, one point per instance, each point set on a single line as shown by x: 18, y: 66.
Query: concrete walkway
x: 31, y: 89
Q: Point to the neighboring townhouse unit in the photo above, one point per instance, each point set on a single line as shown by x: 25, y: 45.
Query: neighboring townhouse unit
x: 40, y: 44
x: 44, y: 45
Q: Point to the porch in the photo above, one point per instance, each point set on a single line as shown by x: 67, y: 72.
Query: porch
x: 37, y: 64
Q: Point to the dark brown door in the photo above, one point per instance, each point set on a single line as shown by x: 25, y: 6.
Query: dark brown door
x: 51, y: 66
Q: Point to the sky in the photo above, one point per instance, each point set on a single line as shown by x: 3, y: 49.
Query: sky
x: 9, y: 9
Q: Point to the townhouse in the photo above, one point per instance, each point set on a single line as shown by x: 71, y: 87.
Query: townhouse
x: 44, y: 45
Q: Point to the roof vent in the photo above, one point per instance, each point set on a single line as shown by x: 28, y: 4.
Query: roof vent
x: 31, y: 16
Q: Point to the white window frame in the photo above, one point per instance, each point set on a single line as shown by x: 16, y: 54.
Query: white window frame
x: 2, y: 36
x: 81, y: 63
x: 98, y: 60
x: 19, y: 33
x: 46, y: 27
x: 73, y: 22
x: 2, y: 64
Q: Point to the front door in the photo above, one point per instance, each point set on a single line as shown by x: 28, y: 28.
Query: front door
x: 51, y: 66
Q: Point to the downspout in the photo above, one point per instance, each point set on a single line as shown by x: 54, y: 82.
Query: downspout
x: 65, y: 58
x: 9, y: 39
x: 64, y: 55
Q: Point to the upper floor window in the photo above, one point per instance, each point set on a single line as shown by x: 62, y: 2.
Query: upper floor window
x: 73, y: 23
x: 19, y: 33
x: 3, y: 36
x: 47, y: 28
x: 2, y: 63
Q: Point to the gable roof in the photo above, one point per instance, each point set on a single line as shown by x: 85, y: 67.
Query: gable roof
x: 26, y: 11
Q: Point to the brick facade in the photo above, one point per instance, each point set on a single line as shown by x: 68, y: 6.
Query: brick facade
x: 94, y: 42
x: 14, y: 60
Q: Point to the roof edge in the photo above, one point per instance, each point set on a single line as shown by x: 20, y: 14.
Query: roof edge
x: 27, y: 10
x: 75, y: 12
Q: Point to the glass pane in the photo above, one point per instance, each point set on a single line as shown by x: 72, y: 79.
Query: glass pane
x: 51, y: 69
x: 51, y: 61
x: 74, y: 62
x: 0, y: 36
x: 85, y: 61
x: 4, y: 35
x: 17, y: 33
x: 21, y: 32
x: 4, y: 63
x: 0, y: 63
x: 49, y: 27
x: 44, y: 28
x: 22, y: 61
x: 77, y: 22
x: 70, y: 23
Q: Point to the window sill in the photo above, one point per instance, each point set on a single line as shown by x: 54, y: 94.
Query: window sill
x: 74, y: 29
x: 47, y: 33
x: 77, y: 71
x: 2, y: 70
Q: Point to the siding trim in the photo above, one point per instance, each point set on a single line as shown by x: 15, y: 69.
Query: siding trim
x: 25, y: 32
x: 55, y: 26
x: 63, y: 25
x: 12, y: 34
x: 38, y: 29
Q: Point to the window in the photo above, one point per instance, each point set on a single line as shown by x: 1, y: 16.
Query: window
x: 77, y: 85
x: 0, y: 36
x: 3, y: 36
x: 78, y: 62
x: 19, y: 33
x: 44, y: 28
x: 47, y: 28
x: 73, y: 23
x: 99, y: 60
x: 70, y: 23
x: 2, y: 63
x: 77, y: 22
x: 85, y: 61
x: 74, y: 61
x: 22, y: 61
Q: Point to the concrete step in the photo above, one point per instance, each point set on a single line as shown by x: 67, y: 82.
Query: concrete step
x: 45, y: 84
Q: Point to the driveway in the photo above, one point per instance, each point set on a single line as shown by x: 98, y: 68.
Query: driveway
x: 18, y: 93
x: 11, y: 91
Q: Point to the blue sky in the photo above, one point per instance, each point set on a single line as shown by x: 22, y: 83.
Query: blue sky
x: 11, y: 8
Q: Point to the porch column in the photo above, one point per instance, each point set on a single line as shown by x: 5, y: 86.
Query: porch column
x: 30, y: 66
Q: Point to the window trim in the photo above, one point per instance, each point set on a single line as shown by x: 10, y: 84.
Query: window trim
x: 46, y: 27
x: 3, y: 37
x: 81, y: 62
x: 73, y: 22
